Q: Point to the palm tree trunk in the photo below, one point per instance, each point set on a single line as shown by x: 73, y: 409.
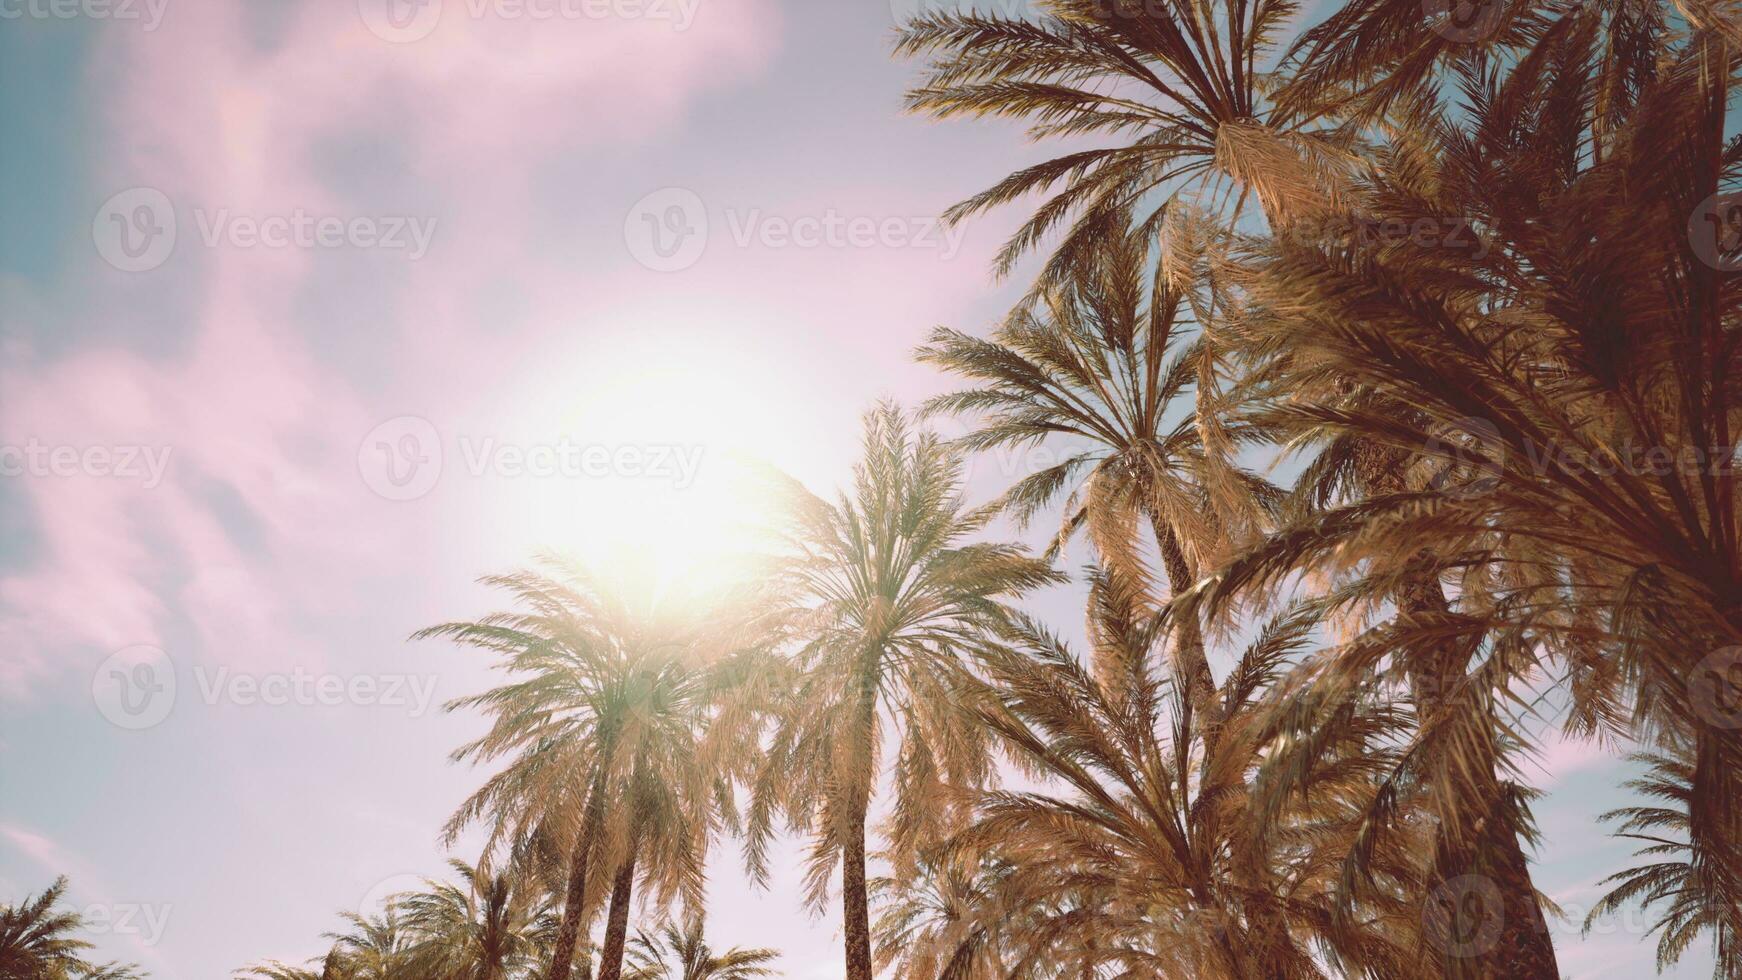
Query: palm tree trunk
x: 1191, y: 662
x: 617, y: 923
x: 1518, y: 944
x: 574, y: 898
x: 1523, y: 947
x: 855, y: 902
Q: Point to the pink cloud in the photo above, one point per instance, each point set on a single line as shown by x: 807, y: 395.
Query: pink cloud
x: 1560, y: 756
x: 249, y: 407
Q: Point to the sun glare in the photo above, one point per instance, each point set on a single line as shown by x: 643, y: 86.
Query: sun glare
x: 660, y: 450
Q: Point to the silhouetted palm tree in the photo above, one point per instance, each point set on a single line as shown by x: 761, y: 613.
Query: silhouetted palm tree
x: 484, y: 926
x: 624, y: 695
x: 1567, y: 425
x: 684, y: 954
x: 892, y: 595
x: 38, y: 942
x: 1147, y: 851
x: 1102, y: 364
x: 1179, y: 84
x: 1695, y: 900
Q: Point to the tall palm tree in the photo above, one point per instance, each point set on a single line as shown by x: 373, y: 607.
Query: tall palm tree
x: 948, y: 918
x: 684, y: 954
x: 553, y: 726
x: 1571, y: 422
x: 890, y: 597
x: 486, y: 926
x: 374, y: 946
x: 332, y: 968
x: 1153, y: 853
x: 632, y: 697
x: 38, y: 942
x: 1178, y: 84
x: 1103, y: 363
x: 1695, y: 901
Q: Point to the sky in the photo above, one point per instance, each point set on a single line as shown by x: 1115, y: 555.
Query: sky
x: 311, y: 313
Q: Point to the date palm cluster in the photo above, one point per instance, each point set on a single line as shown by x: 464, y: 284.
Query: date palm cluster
x: 1388, y: 360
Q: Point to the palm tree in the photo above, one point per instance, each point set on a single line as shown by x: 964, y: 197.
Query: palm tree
x: 948, y: 918
x: 683, y: 954
x: 1179, y: 83
x: 890, y: 596
x: 1696, y: 901
x: 374, y: 947
x: 632, y: 697
x: 1103, y: 362
x: 488, y: 926
x: 331, y: 969
x: 1569, y: 424
x: 552, y: 727
x: 1152, y: 853
x: 333, y: 966
x: 37, y: 942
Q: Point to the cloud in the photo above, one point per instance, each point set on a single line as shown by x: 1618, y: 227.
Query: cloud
x: 259, y: 409
x: 1560, y: 756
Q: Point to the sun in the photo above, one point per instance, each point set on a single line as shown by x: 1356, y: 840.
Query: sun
x: 653, y: 461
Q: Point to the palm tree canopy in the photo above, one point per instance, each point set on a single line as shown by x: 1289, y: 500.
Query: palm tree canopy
x: 38, y: 942
x: 1181, y: 83
x: 684, y: 954
x: 890, y: 594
